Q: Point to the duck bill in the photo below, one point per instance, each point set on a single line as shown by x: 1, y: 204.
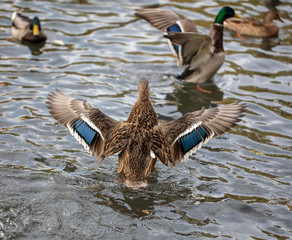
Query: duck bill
x: 36, y: 30
x: 237, y: 16
x: 280, y: 20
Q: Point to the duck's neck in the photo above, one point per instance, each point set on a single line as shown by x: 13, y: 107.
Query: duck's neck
x: 143, y: 115
x: 216, y: 34
x: 268, y: 18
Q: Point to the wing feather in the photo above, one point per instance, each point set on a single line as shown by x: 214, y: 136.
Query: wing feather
x: 163, y: 19
x: 189, y: 133
x: 20, y: 21
x: 87, y: 124
x: 194, y: 48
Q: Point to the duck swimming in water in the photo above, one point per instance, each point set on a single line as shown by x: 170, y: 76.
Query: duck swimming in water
x: 140, y: 140
x: 254, y: 27
x: 28, y: 30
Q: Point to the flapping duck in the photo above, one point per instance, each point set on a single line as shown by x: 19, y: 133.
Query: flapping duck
x: 140, y: 140
x: 202, y: 54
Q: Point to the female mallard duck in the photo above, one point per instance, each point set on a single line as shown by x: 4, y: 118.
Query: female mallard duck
x: 253, y: 27
x: 203, y: 54
x: 25, y: 29
x: 140, y: 140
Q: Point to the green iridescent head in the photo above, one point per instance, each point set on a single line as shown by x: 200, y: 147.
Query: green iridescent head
x: 225, y: 12
x: 35, y: 26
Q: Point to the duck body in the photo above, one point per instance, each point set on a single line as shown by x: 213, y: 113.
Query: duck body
x: 210, y: 61
x: 254, y: 27
x: 202, y: 54
x: 141, y: 141
x: 25, y: 29
x: 134, y: 139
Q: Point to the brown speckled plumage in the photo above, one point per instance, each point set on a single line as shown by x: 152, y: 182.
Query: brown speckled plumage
x: 254, y: 27
x: 140, y: 141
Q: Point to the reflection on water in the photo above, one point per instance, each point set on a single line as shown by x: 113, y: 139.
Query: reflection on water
x: 35, y: 48
x: 238, y: 186
x: 195, y: 98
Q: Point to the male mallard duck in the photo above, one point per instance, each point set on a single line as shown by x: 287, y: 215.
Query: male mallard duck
x: 253, y: 27
x: 203, y: 54
x: 25, y: 29
x: 140, y: 140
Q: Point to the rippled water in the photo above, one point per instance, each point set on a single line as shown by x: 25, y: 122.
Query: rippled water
x: 237, y: 187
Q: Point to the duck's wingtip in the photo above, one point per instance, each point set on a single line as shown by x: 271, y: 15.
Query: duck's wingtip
x: 13, y: 16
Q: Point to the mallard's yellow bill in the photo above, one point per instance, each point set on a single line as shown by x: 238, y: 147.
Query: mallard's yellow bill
x: 237, y: 16
x: 35, y: 30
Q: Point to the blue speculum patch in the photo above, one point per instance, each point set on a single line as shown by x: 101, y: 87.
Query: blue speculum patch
x: 192, y: 139
x: 176, y: 48
x: 202, y: 132
x: 85, y: 131
x: 174, y: 28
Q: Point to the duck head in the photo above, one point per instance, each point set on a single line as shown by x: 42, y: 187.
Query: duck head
x: 35, y: 26
x: 224, y: 13
x: 272, y: 15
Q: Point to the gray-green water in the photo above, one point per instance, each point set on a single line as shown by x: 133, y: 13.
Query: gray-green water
x: 237, y: 187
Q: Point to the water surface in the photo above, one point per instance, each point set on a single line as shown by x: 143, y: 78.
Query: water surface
x: 237, y: 187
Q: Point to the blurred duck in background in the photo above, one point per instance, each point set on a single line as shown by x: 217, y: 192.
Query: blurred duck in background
x: 202, y: 54
x: 254, y: 27
x: 26, y: 29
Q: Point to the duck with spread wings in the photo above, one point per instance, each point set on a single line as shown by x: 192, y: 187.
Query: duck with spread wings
x: 202, y: 54
x: 140, y: 140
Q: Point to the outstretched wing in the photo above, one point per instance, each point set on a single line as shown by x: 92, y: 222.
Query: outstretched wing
x: 187, y: 134
x: 87, y: 124
x: 165, y: 20
x: 191, y: 49
x: 169, y: 22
